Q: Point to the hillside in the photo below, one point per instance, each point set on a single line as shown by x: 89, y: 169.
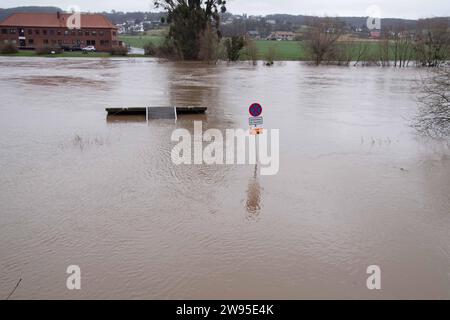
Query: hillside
x: 4, y: 13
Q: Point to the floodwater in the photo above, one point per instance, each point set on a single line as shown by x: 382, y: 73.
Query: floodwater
x: 356, y: 186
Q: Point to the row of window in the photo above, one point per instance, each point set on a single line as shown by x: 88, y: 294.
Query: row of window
x: 10, y: 31
x: 52, y: 32
x: 74, y: 42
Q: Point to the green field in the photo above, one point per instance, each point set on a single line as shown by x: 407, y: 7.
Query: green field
x: 140, y: 41
x: 284, y: 50
x: 297, y: 50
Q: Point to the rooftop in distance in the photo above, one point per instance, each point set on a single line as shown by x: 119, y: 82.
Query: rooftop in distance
x: 58, y: 20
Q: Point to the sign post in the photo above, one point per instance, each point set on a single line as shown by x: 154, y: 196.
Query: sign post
x: 256, y: 121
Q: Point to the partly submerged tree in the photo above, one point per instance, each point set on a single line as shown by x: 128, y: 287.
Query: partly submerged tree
x: 322, y: 38
x: 434, y: 112
x: 189, y: 21
x: 432, y: 42
x: 233, y: 46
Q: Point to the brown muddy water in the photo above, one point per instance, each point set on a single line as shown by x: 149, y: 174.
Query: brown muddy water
x: 356, y: 185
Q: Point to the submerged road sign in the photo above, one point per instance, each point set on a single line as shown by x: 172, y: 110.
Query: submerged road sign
x: 256, y: 121
x: 255, y: 110
x: 256, y: 132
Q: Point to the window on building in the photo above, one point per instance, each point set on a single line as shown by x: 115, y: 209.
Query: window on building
x: 30, y: 32
x: 86, y: 33
x: 12, y: 31
x: 30, y: 41
x: 53, y: 41
x: 51, y: 32
x: 58, y: 32
x: 44, y: 32
x: 45, y: 41
x: 101, y: 33
x: 80, y: 32
x: 4, y: 31
x: 66, y: 32
x: 59, y: 42
x: 93, y: 42
x: 37, y: 31
x: 94, y: 33
x: 114, y: 33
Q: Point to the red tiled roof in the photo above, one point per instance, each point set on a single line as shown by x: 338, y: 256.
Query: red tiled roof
x: 51, y: 20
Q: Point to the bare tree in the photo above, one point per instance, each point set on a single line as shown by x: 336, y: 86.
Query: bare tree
x: 322, y: 38
x: 402, y: 39
x: 434, y: 112
x: 271, y: 55
x: 384, y: 46
x: 251, y: 51
x: 361, y: 49
x: 432, y: 42
x: 344, y: 53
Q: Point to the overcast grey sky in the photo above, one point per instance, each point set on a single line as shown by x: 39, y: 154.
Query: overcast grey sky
x: 389, y: 8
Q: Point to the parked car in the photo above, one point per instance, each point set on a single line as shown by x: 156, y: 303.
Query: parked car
x: 89, y: 49
x: 71, y: 48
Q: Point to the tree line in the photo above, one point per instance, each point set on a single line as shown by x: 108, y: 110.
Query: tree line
x: 428, y: 45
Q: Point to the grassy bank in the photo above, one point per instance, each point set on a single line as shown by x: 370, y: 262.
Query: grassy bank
x: 284, y: 50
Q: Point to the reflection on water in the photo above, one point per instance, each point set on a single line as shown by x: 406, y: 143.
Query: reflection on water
x: 58, y: 81
x: 356, y: 185
x: 253, y: 203
x: 125, y: 119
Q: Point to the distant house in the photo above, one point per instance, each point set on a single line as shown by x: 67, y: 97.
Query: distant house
x: 40, y: 30
x: 228, y: 21
x: 376, y: 34
x: 121, y: 28
x: 281, y: 36
x: 272, y: 22
x: 255, y: 35
x: 255, y: 18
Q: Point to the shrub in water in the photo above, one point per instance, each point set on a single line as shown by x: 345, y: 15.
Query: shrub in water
x: 149, y: 49
x: 168, y: 50
x: 119, y: 51
x: 233, y: 47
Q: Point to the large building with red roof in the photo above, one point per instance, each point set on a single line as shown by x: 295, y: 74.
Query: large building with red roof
x: 59, y: 30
